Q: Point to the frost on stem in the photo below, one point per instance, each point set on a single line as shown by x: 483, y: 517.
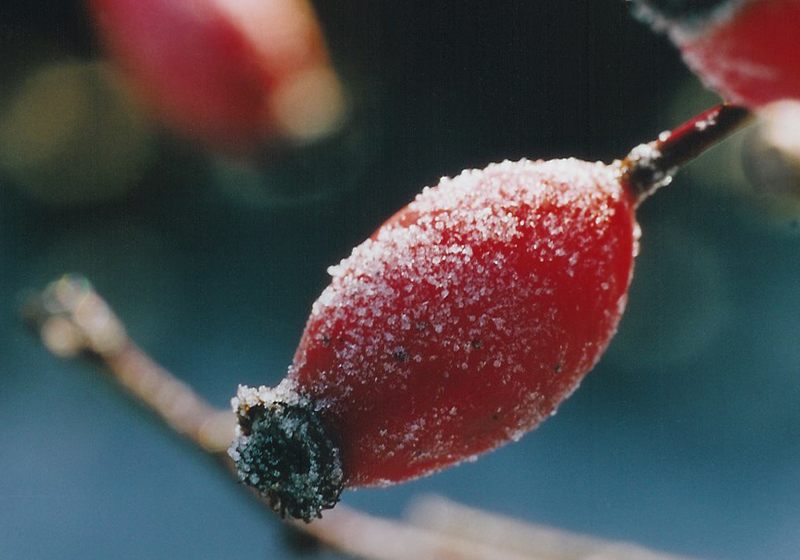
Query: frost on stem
x: 651, y: 166
x: 644, y: 170
x: 283, y: 451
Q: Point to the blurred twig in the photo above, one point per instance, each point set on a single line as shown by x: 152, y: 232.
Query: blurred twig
x: 526, y: 539
x: 374, y: 538
x: 72, y: 320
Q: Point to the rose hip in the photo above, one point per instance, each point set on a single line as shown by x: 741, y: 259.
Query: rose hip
x: 459, y: 325
x: 748, y: 51
x: 232, y: 74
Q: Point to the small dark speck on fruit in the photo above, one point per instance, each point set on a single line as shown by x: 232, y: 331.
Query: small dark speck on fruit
x: 400, y: 355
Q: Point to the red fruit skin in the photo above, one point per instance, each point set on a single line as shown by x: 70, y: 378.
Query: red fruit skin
x: 209, y: 68
x: 751, y: 56
x: 468, y: 316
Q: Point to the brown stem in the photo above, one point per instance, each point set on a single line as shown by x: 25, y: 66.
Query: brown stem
x: 519, y: 537
x: 72, y: 319
x: 650, y: 166
x: 367, y: 536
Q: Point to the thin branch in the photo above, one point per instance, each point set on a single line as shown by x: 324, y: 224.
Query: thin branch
x: 72, y: 320
x: 526, y: 539
x: 651, y: 166
x: 374, y: 538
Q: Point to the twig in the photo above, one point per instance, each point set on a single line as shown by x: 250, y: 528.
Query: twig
x: 531, y: 541
x: 365, y: 536
x: 72, y: 319
x: 651, y: 166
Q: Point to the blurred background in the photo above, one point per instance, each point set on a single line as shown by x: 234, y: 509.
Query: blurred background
x: 685, y: 438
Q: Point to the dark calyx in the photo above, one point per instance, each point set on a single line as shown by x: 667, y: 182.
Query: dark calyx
x: 681, y: 11
x: 286, y: 455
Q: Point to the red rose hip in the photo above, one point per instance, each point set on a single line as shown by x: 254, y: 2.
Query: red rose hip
x: 232, y: 74
x: 747, y: 50
x: 464, y: 320
x: 461, y: 324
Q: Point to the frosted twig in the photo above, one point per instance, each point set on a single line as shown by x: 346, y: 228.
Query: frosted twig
x: 72, y: 319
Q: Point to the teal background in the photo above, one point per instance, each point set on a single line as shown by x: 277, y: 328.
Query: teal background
x: 685, y: 438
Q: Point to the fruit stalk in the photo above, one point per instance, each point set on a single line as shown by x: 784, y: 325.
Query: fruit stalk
x: 652, y: 165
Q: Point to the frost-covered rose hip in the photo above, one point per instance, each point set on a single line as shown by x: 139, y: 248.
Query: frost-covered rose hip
x: 747, y: 50
x: 462, y: 323
x: 232, y: 74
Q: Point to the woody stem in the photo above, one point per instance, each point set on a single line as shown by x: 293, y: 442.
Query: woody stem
x: 71, y: 318
x: 650, y: 166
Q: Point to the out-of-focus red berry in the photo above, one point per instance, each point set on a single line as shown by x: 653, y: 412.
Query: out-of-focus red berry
x: 748, y: 51
x: 232, y: 74
x: 461, y: 324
